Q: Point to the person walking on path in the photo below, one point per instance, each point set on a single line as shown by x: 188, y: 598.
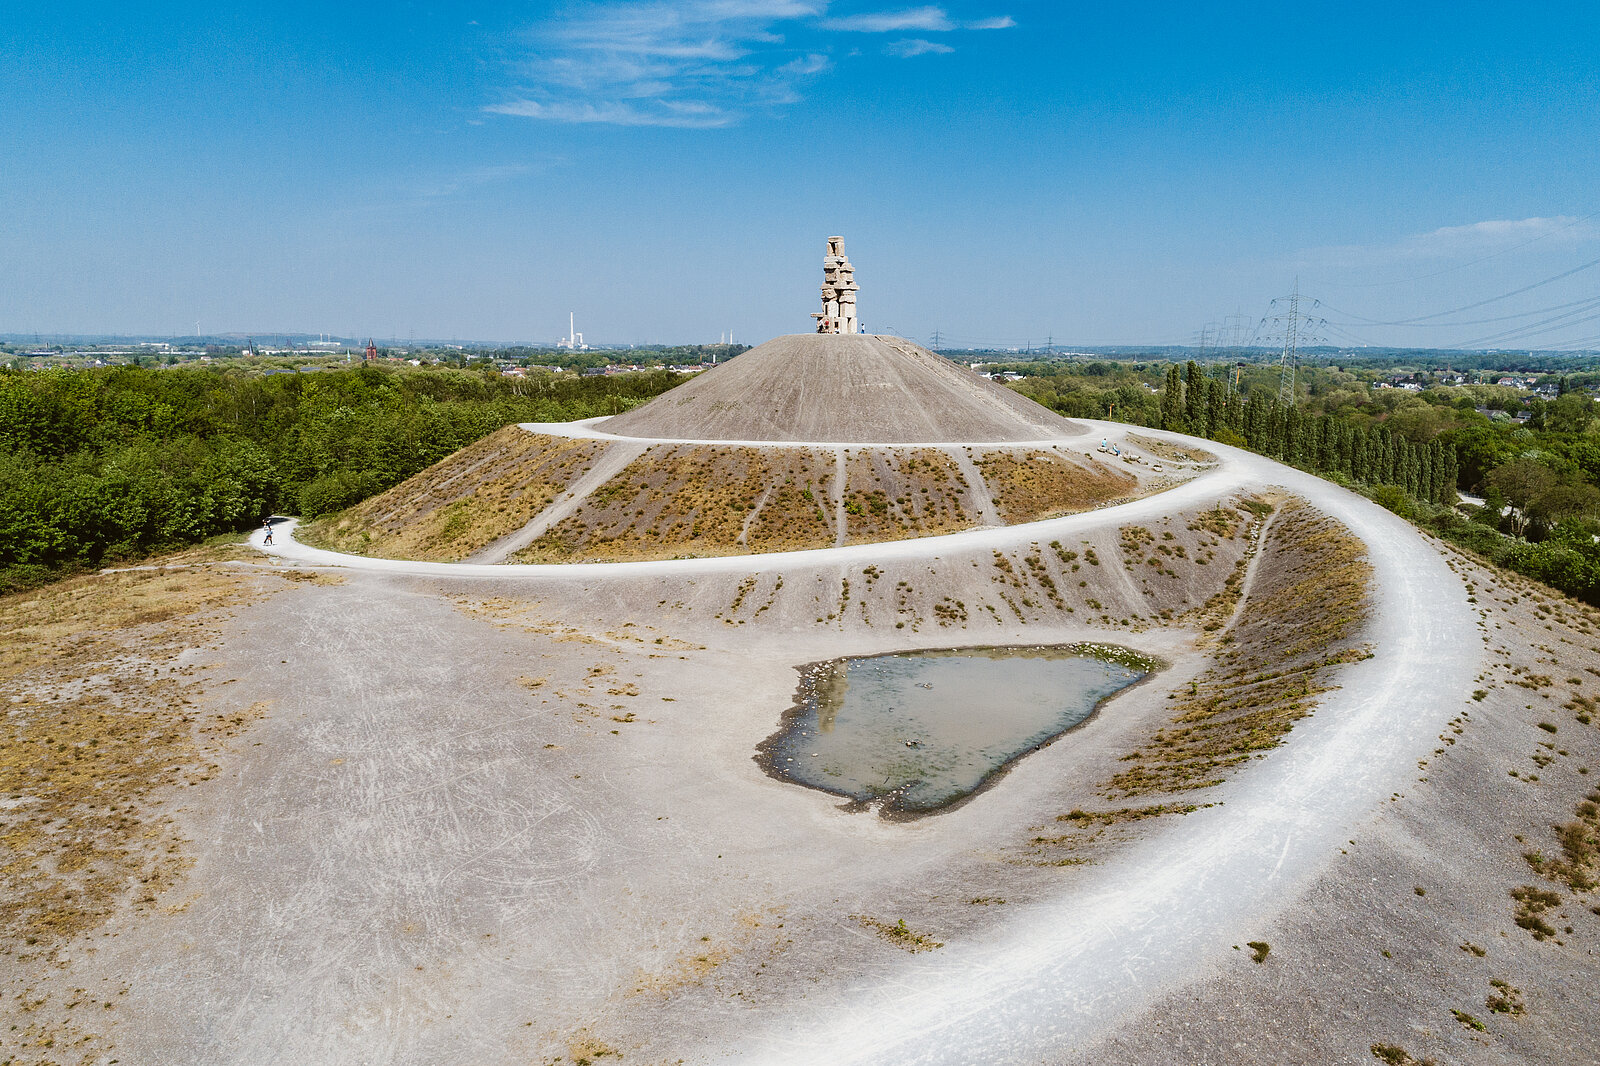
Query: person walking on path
x: 267, y: 526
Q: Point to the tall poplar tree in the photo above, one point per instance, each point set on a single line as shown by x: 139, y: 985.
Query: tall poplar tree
x: 1256, y: 420
x: 1194, y: 399
x: 1216, y: 407
x: 1172, y: 400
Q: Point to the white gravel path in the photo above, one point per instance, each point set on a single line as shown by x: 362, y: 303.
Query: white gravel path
x: 1158, y: 913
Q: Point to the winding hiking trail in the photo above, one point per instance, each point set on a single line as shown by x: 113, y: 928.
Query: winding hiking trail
x: 1060, y: 973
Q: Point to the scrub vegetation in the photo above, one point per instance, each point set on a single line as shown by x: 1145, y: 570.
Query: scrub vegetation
x: 890, y: 495
x: 899, y: 934
x: 1303, y: 618
x: 1033, y: 485
x: 462, y: 503
x: 104, y: 717
x: 684, y: 500
x: 680, y: 500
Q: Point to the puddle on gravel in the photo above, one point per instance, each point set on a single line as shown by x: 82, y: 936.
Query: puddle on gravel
x: 917, y: 732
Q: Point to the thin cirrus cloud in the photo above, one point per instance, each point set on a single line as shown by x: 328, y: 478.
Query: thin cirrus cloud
x: 1491, y: 236
x: 927, y: 19
x: 916, y: 46
x: 464, y: 180
x: 696, y: 65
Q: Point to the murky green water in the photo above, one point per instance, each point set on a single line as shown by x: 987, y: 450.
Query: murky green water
x: 919, y: 731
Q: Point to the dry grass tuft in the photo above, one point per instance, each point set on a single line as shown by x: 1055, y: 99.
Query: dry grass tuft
x: 1579, y: 841
x: 899, y: 934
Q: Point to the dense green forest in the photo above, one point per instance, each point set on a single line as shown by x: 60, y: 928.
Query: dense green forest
x: 106, y: 464
x: 1535, y: 460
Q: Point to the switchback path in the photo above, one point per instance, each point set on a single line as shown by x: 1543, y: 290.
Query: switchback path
x: 1206, y: 487
x: 1161, y: 912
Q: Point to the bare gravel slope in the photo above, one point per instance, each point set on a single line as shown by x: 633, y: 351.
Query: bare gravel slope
x: 855, y: 389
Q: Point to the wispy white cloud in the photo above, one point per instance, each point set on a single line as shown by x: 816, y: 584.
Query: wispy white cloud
x: 1490, y: 234
x: 916, y: 46
x: 695, y: 64
x: 1457, y: 242
x: 457, y: 181
x: 927, y: 19
x: 807, y: 65
x: 617, y: 113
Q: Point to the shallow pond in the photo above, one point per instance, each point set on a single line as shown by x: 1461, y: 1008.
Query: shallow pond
x: 920, y: 731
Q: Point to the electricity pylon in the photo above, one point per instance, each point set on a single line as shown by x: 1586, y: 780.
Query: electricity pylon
x: 1296, y: 330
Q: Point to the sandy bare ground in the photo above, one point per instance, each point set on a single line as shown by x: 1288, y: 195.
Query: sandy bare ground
x: 505, y: 813
x: 860, y: 388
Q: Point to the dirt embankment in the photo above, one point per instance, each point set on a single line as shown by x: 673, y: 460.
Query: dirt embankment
x: 890, y: 495
x: 1090, y: 580
x: 1032, y: 485
x: 677, y: 500
x: 686, y: 500
x: 680, y: 500
x: 1172, y: 453
x: 1302, y: 617
x: 461, y: 503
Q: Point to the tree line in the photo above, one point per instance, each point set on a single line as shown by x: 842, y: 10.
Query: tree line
x: 113, y: 463
x: 1192, y: 402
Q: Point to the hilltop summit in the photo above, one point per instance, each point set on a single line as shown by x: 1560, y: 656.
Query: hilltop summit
x: 841, y: 386
x: 856, y: 389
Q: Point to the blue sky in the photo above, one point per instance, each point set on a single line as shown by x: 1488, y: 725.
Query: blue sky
x: 1003, y: 170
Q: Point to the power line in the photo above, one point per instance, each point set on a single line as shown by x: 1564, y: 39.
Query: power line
x: 1587, y: 300
x: 1533, y: 329
x: 1335, y: 329
x: 1481, y: 303
x: 1583, y: 344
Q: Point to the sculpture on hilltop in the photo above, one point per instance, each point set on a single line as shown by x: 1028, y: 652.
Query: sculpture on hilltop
x: 838, y: 314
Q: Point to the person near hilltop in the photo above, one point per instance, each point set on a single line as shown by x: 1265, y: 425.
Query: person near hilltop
x: 267, y: 528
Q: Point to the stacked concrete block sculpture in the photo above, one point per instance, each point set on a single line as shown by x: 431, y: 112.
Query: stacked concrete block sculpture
x: 838, y: 314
